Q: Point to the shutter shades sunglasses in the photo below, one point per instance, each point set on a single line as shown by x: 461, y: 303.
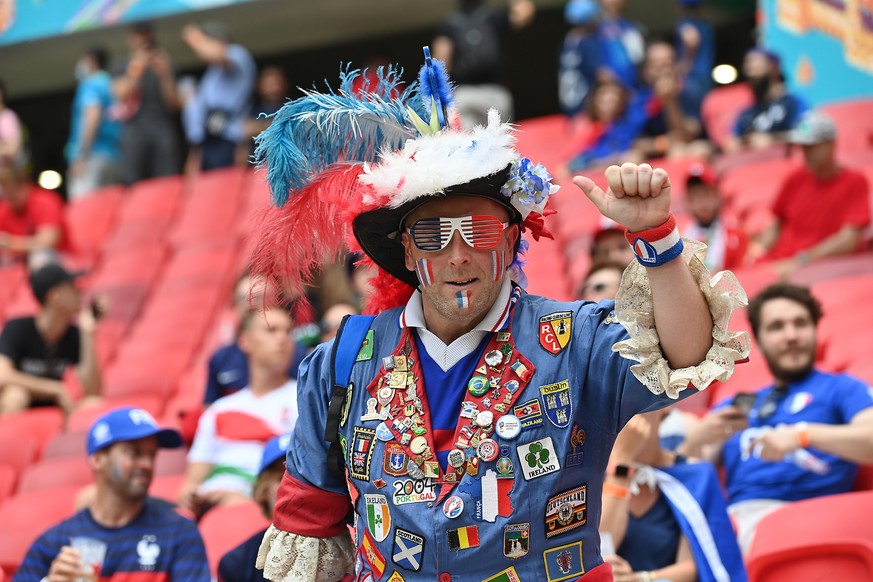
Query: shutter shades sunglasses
x: 434, y: 234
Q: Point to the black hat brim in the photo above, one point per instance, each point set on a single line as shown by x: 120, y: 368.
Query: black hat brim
x: 378, y: 231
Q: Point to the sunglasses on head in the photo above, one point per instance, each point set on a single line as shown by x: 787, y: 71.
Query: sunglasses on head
x: 433, y: 234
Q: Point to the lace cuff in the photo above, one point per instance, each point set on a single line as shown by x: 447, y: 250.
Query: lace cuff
x: 634, y: 309
x: 287, y: 557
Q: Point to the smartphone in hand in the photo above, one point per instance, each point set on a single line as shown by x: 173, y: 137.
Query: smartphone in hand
x: 745, y: 401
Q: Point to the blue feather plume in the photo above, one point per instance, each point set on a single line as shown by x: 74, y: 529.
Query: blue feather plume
x: 311, y: 133
x: 434, y: 87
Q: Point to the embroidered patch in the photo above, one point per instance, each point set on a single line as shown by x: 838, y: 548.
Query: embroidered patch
x: 555, y: 330
x: 366, y: 351
x: 395, y: 458
x: 529, y: 413
x: 566, y: 511
x: 557, y: 402
x: 361, y: 452
x: 538, y: 458
x: 378, y: 516
x: 372, y: 555
x: 396, y: 577
x: 413, y: 491
x: 564, y: 562
x: 347, y: 404
x: 516, y: 540
x: 577, y: 439
x: 408, y: 548
x: 463, y: 538
x: 508, y: 575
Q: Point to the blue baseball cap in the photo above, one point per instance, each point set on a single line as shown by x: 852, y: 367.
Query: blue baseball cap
x: 579, y: 12
x: 274, y: 450
x: 128, y: 424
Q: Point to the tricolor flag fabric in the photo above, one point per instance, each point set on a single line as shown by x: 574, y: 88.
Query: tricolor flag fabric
x: 378, y: 517
x: 372, y: 555
x: 657, y: 246
x: 463, y: 538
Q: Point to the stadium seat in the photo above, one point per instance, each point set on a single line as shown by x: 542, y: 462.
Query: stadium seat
x: 154, y: 199
x: 225, y: 527
x: 209, y: 211
x: 66, y: 444
x: 39, y: 424
x: 53, y: 473
x: 864, y: 480
x: 8, y: 475
x: 12, y: 278
x: 756, y: 184
x: 90, y: 219
x: 166, y: 487
x: 815, y: 539
x: 171, y: 462
x: 854, y: 119
x: 82, y: 418
x: 720, y: 109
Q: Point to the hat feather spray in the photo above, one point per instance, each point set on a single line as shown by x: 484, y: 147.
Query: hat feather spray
x: 313, y: 153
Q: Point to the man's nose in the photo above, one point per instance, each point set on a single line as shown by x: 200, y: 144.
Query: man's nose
x: 458, y: 249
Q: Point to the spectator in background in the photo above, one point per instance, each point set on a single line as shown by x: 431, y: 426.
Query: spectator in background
x: 35, y: 351
x: 580, y: 63
x: 622, y: 43
x: 143, y: 538
x: 670, y: 105
x: 93, y: 150
x: 31, y: 218
x: 775, y: 111
x: 725, y: 240
x: 214, y: 117
x: 610, y: 245
x: 666, y: 517
x: 238, y: 565
x: 613, y: 130
x: 695, y: 44
x: 602, y: 281
x: 472, y: 41
x: 228, y: 368
x: 145, y: 86
x: 223, y: 461
x: 11, y: 138
x: 806, y: 433
x: 272, y: 90
x: 822, y: 208
x: 333, y: 318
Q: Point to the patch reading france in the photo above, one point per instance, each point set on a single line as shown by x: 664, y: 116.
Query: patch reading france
x: 566, y: 511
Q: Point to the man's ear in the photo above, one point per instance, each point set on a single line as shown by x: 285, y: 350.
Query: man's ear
x: 97, y: 461
x: 407, y: 253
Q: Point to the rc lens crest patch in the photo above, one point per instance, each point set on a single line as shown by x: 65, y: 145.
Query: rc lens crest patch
x: 555, y: 331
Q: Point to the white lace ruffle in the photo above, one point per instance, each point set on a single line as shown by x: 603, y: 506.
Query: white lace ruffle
x: 288, y: 557
x: 634, y: 310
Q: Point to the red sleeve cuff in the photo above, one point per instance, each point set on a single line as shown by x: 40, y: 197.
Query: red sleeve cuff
x: 308, y: 511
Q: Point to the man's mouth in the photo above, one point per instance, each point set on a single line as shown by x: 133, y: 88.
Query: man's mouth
x: 461, y: 282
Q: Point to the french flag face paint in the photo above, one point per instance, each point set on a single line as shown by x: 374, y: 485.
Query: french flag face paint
x: 498, y: 265
x: 463, y: 299
x: 424, y: 271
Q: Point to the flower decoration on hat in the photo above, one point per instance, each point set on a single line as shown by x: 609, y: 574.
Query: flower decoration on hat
x: 345, y: 168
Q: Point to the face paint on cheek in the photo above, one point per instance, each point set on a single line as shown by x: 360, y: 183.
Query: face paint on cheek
x: 463, y: 299
x: 424, y: 272
x: 498, y: 266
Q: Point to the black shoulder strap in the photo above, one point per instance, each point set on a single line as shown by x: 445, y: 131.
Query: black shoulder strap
x: 348, y: 343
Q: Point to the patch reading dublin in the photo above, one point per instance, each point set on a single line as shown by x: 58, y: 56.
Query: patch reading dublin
x: 557, y: 402
x: 538, y: 458
x: 361, y: 452
x: 564, y: 562
x: 555, y: 331
x: 566, y: 511
x: 408, y: 548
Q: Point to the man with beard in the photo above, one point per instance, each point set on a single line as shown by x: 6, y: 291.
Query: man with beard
x: 775, y: 110
x: 138, y: 537
x: 805, y: 434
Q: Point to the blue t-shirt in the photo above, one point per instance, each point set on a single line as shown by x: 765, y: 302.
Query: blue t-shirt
x: 238, y: 565
x: 704, y: 59
x: 772, y: 117
x: 95, y: 89
x: 819, y: 398
x: 579, y: 61
x: 157, y: 546
x: 651, y: 541
x: 229, y: 370
x: 623, y: 49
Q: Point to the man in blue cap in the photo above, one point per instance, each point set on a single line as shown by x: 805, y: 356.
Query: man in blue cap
x: 140, y: 537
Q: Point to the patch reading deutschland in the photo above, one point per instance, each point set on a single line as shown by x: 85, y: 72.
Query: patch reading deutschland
x: 566, y: 511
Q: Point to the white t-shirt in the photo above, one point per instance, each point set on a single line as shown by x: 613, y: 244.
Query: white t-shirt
x: 231, y: 434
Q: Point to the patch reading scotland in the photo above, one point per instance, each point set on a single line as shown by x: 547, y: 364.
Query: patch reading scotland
x: 555, y: 331
x: 408, y: 548
x: 529, y: 413
x: 557, y: 402
x: 566, y: 511
x: 361, y: 452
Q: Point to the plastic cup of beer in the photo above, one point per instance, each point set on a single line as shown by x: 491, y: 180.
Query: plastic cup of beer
x: 92, y: 552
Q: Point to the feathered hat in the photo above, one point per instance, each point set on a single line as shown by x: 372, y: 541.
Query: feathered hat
x: 346, y: 167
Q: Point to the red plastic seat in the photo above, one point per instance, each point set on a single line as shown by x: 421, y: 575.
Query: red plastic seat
x: 171, y: 462
x: 166, y: 487
x: 81, y: 419
x: 66, y: 444
x: 755, y: 185
x: 39, y: 424
x: 7, y: 481
x: 210, y: 210
x: 721, y: 108
x: 225, y: 527
x: 157, y: 198
x: 53, y: 473
x: 825, y: 538
x: 854, y: 120
x: 90, y: 219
